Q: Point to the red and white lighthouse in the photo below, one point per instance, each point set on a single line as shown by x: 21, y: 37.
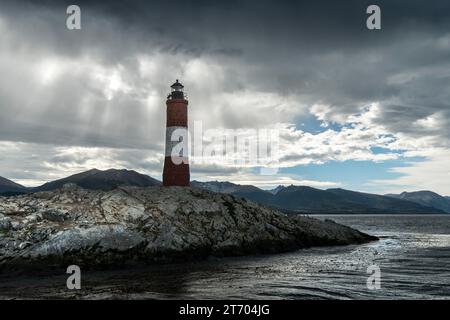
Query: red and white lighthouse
x: 176, y: 162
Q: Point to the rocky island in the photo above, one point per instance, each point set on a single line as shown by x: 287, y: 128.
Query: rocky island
x: 129, y: 225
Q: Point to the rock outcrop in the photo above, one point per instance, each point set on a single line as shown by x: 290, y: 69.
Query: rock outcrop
x: 128, y: 225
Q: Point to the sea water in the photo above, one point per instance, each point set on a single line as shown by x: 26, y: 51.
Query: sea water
x: 413, y: 255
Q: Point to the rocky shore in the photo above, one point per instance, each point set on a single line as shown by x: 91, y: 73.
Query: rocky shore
x: 126, y: 226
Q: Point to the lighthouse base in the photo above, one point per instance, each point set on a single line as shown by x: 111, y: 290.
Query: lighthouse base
x: 175, y: 174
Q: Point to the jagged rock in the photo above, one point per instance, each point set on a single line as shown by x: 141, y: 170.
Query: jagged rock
x: 5, y: 223
x: 54, y: 215
x: 97, y: 228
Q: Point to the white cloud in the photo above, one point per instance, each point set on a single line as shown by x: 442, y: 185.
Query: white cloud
x: 432, y: 174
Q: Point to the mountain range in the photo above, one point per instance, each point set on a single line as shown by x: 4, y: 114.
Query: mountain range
x: 8, y: 187
x: 304, y: 199
x: 425, y: 198
x: 298, y: 199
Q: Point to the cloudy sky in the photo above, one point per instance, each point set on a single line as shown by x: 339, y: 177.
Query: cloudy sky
x: 358, y: 109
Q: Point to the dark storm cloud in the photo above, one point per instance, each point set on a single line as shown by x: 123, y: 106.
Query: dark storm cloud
x: 240, y: 26
x: 319, y: 51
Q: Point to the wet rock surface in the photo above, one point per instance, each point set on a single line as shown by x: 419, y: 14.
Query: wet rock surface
x: 125, y: 226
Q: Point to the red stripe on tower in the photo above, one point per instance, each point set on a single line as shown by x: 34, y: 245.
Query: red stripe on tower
x: 176, y: 161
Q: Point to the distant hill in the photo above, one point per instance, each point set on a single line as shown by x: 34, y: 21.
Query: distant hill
x: 8, y: 187
x: 379, y: 203
x: 277, y: 189
x: 425, y: 198
x: 102, y: 180
x: 243, y: 191
x: 311, y: 200
x: 307, y: 199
